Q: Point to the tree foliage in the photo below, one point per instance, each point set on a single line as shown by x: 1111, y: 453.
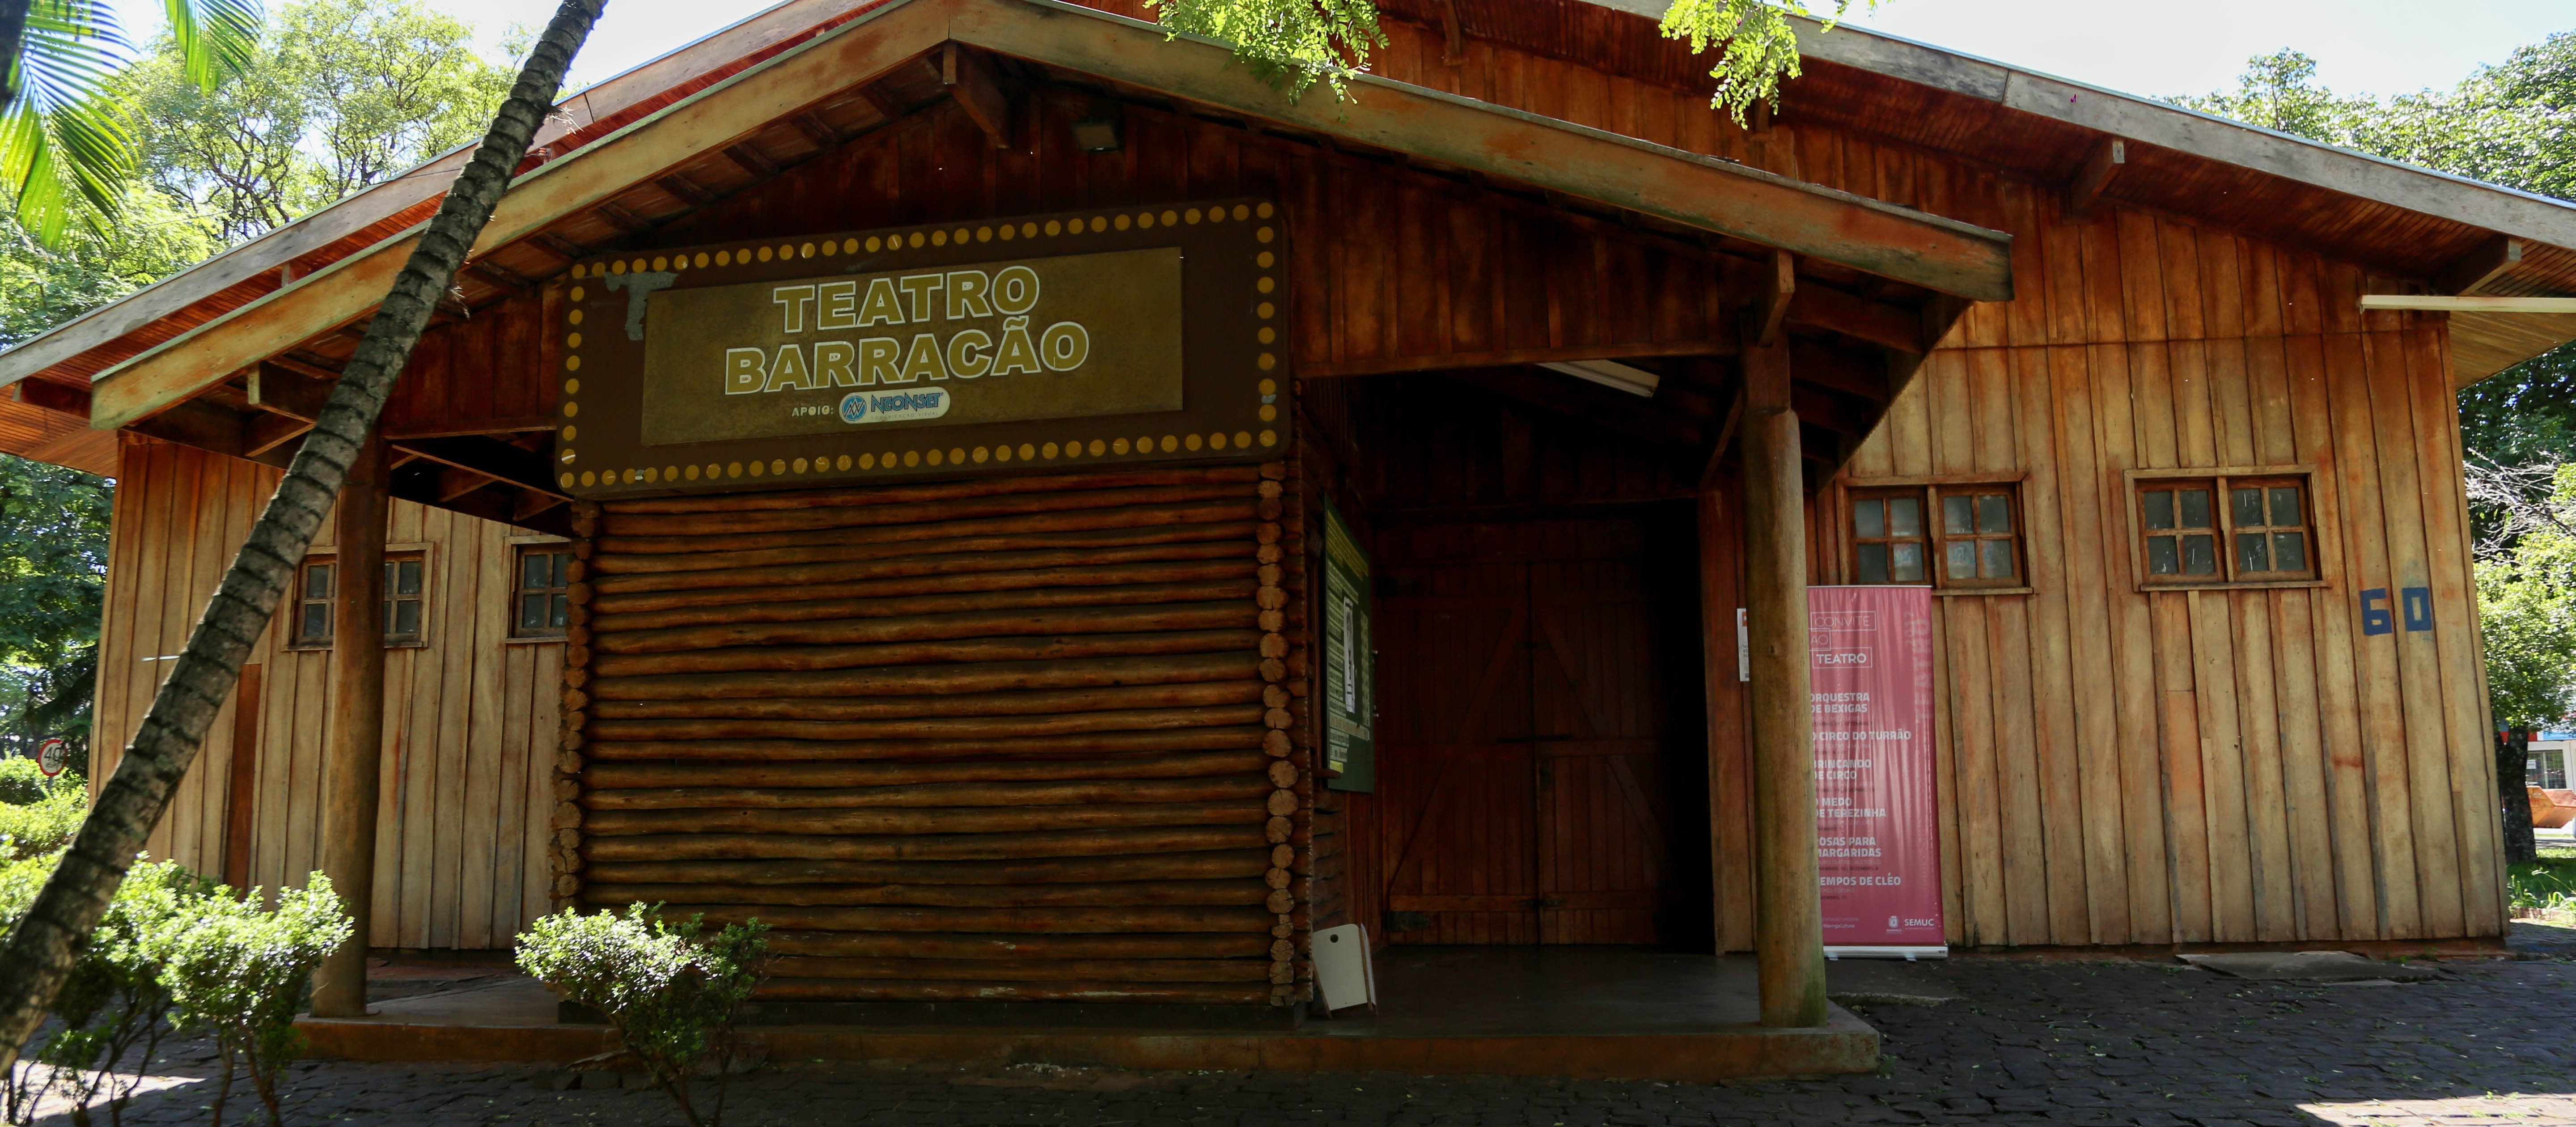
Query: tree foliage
x: 64, y: 137
x: 2512, y: 124
x: 53, y: 581
x: 1295, y: 44
x: 342, y: 94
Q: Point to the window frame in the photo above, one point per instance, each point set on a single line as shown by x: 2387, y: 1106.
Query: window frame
x: 400, y: 555
x: 329, y: 602
x: 417, y: 551
x: 1929, y: 489
x: 520, y: 550
x: 2221, y: 479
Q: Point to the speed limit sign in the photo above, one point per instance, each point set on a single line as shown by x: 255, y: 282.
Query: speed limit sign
x: 51, y: 755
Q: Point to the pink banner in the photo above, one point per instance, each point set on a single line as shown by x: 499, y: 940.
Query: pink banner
x: 1878, y: 848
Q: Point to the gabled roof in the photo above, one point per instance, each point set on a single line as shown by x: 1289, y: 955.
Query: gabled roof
x: 1670, y: 185
x: 2403, y: 221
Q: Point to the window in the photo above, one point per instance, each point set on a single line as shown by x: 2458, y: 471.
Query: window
x: 313, y: 606
x: 402, y: 601
x: 1960, y: 536
x: 542, y: 602
x: 403, y: 594
x: 2226, y: 528
x: 2546, y: 769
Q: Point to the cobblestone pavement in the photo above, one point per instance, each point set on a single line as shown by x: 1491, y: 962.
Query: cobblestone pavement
x: 2030, y: 1042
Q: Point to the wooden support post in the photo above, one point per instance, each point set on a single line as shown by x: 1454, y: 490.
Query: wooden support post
x: 1789, y: 934
x: 356, y: 742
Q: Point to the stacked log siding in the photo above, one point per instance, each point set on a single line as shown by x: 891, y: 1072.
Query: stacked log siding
x: 987, y: 740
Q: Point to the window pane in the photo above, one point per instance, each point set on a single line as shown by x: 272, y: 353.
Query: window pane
x: 532, y: 570
x: 1908, y: 564
x: 405, y: 619
x: 562, y: 612
x: 317, y: 622
x: 1954, y: 516
x: 2285, y: 505
x: 1904, y: 516
x: 532, y: 612
x: 1994, y: 514
x: 2289, y: 551
x: 2160, y: 509
x: 2253, y: 551
x: 317, y: 581
x: 1996, y: 561
x: 407, y: 582
x: 2200, y: 553
x: 1962, y: 555
x: 2248, y: 507
x: 2195, y: 507
x: 1869, y: 518
x: 558, y: 563
x: 1873, y: 563
x: 2162, y: 559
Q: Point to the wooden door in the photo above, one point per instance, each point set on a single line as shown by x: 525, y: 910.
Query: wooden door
x: 1455, y: 769
x: 1604, y: 846
x: 1524, y: 745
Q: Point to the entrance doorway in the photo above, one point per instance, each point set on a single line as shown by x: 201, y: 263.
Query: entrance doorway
x: 1543, y: 767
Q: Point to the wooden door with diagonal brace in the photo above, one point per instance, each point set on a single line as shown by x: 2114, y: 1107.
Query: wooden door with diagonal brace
x: 1525, y: 746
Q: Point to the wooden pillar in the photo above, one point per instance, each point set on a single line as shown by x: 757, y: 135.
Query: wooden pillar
x: 355, y: 749
x: 1789, y: 933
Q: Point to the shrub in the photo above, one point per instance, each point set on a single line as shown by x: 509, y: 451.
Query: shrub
x: 113, y: 1003
x: 241, y: 971
x: 668, y: 989
x: 44, y: 827
x: 22, y: 781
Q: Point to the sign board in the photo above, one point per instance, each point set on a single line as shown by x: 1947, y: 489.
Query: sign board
x: 1878, y: 845
x: 1049, y: 342
x: 1349, y: 683
x: 52, y: 755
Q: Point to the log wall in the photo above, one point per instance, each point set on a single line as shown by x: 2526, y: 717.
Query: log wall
x: 1020, y: 739
x: 460, y: 854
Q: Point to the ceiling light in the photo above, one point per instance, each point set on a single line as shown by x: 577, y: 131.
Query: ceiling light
x: 1611, y: 374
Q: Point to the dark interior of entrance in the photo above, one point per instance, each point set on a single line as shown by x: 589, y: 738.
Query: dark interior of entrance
x: 1542, y: 766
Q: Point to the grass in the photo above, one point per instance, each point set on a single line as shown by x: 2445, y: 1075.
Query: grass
x: 2548, y: 884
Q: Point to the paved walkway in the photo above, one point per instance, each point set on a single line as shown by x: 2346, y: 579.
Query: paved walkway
x: 2029, y: 1042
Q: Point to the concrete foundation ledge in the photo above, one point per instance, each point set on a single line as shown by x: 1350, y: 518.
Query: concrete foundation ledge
x: 1844, y: 1045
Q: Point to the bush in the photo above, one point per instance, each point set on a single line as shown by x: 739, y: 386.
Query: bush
x: 44, y: 827
x: 22, y: 781
x: 241, y: 971
x: 113, y: 1003
x: 668, y: 989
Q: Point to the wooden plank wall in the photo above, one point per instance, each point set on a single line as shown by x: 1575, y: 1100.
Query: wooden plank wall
x: 2220, y: 766
x: 2260, y: 770
x: 461, y: 844
x: 1019, y: 739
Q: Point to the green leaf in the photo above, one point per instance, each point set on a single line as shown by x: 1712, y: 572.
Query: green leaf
x: 1759, y: 46
x: 217, y: 38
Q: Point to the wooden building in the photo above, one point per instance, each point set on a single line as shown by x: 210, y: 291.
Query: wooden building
x: 1017, y: 706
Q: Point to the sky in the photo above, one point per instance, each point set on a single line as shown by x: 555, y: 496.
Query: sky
x: 2161, y: 48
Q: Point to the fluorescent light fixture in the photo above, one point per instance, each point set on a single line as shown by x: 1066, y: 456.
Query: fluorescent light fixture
x: 1634, y: 381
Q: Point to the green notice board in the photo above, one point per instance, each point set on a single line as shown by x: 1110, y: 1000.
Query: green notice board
x: 1350, y: 661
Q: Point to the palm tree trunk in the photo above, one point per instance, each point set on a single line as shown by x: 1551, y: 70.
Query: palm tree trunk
x: 13, y: 31
x: 40, y: 951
